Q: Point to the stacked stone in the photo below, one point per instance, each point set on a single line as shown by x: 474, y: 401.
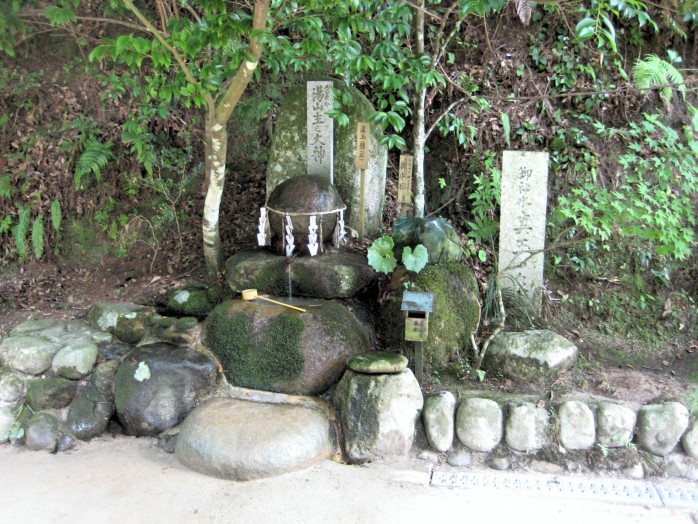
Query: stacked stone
x: 481, y: 425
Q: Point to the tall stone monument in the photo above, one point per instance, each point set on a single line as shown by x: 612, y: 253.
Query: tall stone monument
x: 522, y: 224
x: 320, y: 137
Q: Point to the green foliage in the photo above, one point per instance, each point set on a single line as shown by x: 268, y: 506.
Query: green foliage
x: 653, y: 203
x: 6, y: 188
x: 415, y: 260
x: 380, y: 255
x: 651, y: 71
x: 485, y: 199
x: 38, y: 237
x: 94, y: 158
x: 19, y: 232
x: 56, y: 215
x: 382, y: 259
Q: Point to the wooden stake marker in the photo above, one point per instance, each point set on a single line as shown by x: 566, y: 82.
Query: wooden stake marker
x: 362, y: 149
x: 404, y: 188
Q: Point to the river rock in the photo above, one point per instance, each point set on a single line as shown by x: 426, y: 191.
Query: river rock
x: 50, y: 393
x: 128, y: 322
x: 288, y: 155
x: 690, y: 441
x: 660, y: 427
x: 438, y: 236
x: 577, y: 427
x: 44, y: 431
x: 438, y: 417
x: 12, y: 388
x: 479, y: 424
x: 378, y: 413
x: 76, y: 360
x: 93, y: 406
x: 681, y: 466
x: 527, y: 427
x: 375, y: 362
x: 537, y: 355
x: 242, y: 440
x: 193, y: 300
x: 615, y: 425
x: 27, y: 353
x: 157, y: 385
x: 329, y: 276
x: 62, y: 332
x: 270, y: 347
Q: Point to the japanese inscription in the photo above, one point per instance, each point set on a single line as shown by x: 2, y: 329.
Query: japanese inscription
x: 404, y: 184
x: 522, y: 223
x: 362, y: 145
x: 320, y: 142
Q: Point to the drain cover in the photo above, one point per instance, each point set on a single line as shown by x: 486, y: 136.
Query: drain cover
x: 627, y: 491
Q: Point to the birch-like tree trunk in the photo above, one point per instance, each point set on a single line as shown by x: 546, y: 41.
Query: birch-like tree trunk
x: 418, y: 130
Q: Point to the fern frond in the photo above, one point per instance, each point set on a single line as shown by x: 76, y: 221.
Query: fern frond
x: 38, y: 237
x: 19, y: 232
x: 93, y: 159
x: 56, y: 215
x: 652, y: 71
x: 6, y: 188
x: 523, y: 9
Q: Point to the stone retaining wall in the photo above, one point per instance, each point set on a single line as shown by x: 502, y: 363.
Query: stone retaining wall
x: 481, y: 426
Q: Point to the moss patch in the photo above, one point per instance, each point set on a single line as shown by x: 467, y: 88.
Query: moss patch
x: 456, y: 313
x: 275, y: 357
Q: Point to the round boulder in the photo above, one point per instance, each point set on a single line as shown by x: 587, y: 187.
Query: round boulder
x: 270, y: 347
x: 194, y: 300
x: 241, y: 440
x: 27, y: 353
x: 157, y: 385
x: 531, y: 356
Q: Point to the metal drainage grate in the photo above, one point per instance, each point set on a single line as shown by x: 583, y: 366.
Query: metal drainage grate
x: 615, y: 490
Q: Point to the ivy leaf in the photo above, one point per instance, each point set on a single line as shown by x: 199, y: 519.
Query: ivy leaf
x: 380, y: 255
x: 415, y: 260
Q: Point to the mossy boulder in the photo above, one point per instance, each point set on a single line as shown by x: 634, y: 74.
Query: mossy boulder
x: 435, y: 234
x: 288, y: 154
x: 456, y: 313
x: 128, y: 322
x: 270, y: 347
x: 194, y: 300
x: 332, y: 275
x: 50, y: 393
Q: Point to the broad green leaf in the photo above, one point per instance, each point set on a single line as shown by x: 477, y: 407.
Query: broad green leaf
x: 380, y: 255
x: 415, y: 260
x: 585, y: 29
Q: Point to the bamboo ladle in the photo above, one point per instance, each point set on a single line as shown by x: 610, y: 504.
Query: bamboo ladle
x: 251, y: 294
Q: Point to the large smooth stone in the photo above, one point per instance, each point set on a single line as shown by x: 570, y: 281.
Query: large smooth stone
x: 660, y: 427
x: 378, y: 414
x: 328, y: 276
x: 577, y: 425
x: 75, y: 360
x: 532, y: 356
x: 375, y: 362
x: 128, y: 322
x: 93, y: 405
x: 241, y: 440
x: 50, y: 393
x: 157, y: 385
x: 439, y: 420
x: 12, y: 388
x: 615, y: 425
x: 27, y: 353
x: 270, y: 347
x: 527, y: 427
x: 479, y: 424
x: 44, y: 431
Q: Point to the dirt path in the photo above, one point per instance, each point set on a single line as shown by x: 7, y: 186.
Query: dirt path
x: 129, y: 480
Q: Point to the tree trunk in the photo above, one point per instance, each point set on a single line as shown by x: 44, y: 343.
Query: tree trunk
x: 216, y: 142
x: 418, y: 130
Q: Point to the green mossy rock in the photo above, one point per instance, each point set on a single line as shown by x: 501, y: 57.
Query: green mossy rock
x: 270, y: 347
x: 435, y: 234
x: 456, y: 313
x: 331, y: 275
x: 128, y: 322
x: 195, y: 300
x: 375, y: 362
x: 50, y: 393
x: 287, y: 158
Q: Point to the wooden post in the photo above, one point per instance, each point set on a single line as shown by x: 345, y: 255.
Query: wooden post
x: 362, y: 148
x: 404, y: 188
x: 419, y: 361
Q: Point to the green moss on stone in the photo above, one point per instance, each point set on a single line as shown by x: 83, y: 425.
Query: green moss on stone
x: 252, y: 363
x: 456, y: 313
